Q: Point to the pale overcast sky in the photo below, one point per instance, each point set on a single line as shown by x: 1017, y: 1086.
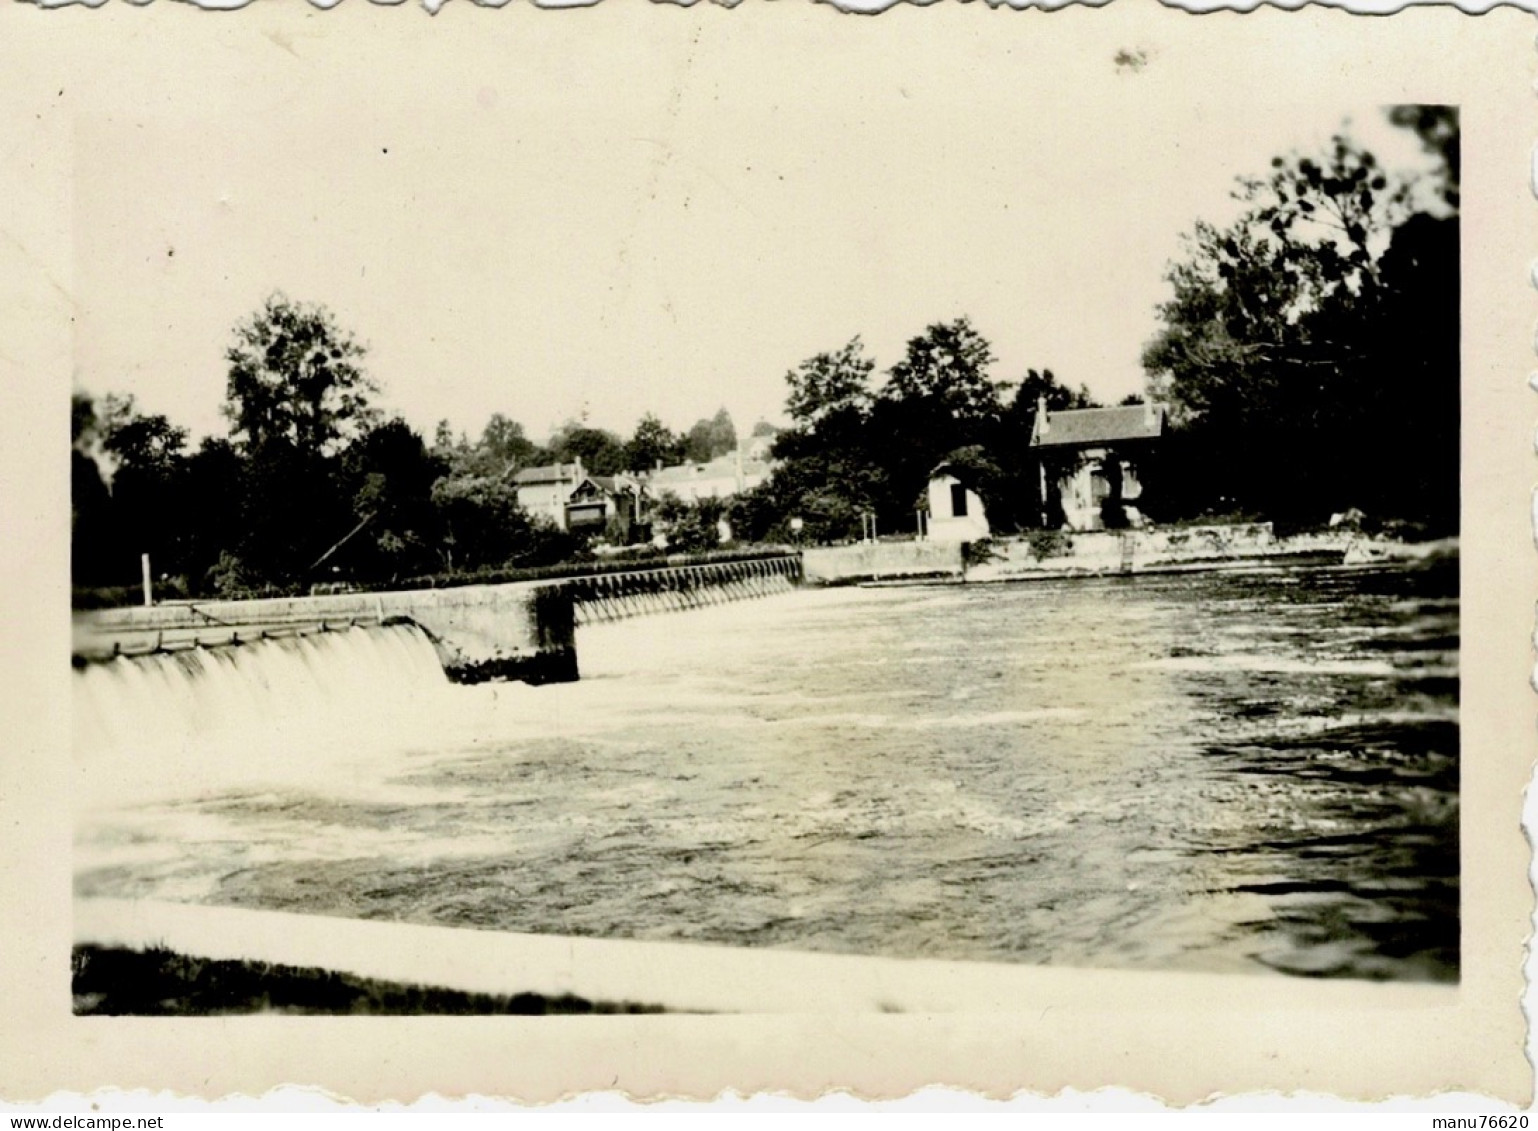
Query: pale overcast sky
x: 582, y: 228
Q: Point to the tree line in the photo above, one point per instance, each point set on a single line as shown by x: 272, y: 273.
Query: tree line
x: 1309, y: 350
x: 857, y: 447
x: 313, y: 483
x: 1307, y: 357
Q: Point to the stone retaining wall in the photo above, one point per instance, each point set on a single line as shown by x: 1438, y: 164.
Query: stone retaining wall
x: 872, y: 561
x: 1137, y: 551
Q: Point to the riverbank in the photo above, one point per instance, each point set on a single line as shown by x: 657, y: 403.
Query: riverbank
x: 280, y: 961
x: 157, y: 982
x: 1066, y: 554
x: 1061, y: 553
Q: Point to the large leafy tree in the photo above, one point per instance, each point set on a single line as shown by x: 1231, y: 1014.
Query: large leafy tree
x: 709, y: 438
x: 831, y: 391
x: 601, y: 451
x: 946, y: 368
x: 396, y: 531
x: 296, y: 378
x: 215, y: 475
x: 144, y: 445
x: 504, y: 446
x: 829, y: 404
x: 483, y: 523
x: 653, y: 444
x: 137, y: 490
x: 830, y: 474
x: 296, y: 398
x: 1283, y: 350
x: 148, y: 453
x: 938, y: 398
x: 853, y: 450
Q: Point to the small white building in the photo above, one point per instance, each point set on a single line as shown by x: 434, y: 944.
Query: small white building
x: 955, y: 511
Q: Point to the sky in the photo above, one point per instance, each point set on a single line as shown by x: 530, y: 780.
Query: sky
x: 606, y: 236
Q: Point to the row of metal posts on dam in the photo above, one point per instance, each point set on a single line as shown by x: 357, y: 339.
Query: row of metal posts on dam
x: 518, y: 630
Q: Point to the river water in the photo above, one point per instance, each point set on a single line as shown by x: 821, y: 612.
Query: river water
x: 1236, y: 771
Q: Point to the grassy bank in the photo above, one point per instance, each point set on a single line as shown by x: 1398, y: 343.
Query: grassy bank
x: 114, y: 981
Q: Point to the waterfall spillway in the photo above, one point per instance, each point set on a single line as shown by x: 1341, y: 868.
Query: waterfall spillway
x: 188, y: 705
x: 620, y: 596
x: 251, y: 690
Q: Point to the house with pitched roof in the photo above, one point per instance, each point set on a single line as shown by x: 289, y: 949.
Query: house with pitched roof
x: 600, y: 499
x: 543, y: 492
x: 573, y: 500
x: 1090, y: 459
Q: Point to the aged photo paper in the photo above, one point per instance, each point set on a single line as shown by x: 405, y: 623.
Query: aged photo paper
x: 777, y: 168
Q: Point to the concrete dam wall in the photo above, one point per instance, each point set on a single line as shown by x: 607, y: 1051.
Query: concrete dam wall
x: 519, y: 630
x: 522, y: 630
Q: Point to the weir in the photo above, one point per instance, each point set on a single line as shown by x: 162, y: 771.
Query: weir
x: 159, y: 703
x: 518, y: 630
x: 522, y: 630
x: 619, y: 596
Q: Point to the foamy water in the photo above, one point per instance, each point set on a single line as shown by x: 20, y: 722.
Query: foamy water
x: 1226, y: 772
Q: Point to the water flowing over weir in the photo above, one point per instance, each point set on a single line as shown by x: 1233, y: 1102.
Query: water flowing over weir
x: 258, y: 683
x: 517, y: 630
x: 618, y: 596
x: 197, y: 696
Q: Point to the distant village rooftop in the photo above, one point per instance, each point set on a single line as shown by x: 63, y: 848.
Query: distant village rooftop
x: 728, y: 474
x: 549, y: 473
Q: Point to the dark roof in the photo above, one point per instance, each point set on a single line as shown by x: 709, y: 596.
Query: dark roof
x: 960, y: 464
x: 551, y: 473
x: 613, y: 484
x: 1085, y: 426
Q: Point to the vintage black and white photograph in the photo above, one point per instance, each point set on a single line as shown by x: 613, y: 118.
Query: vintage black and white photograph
x: 962, y: 546
x: 656, y: 550
x: 765, y: 557
x: 1066, y: 575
